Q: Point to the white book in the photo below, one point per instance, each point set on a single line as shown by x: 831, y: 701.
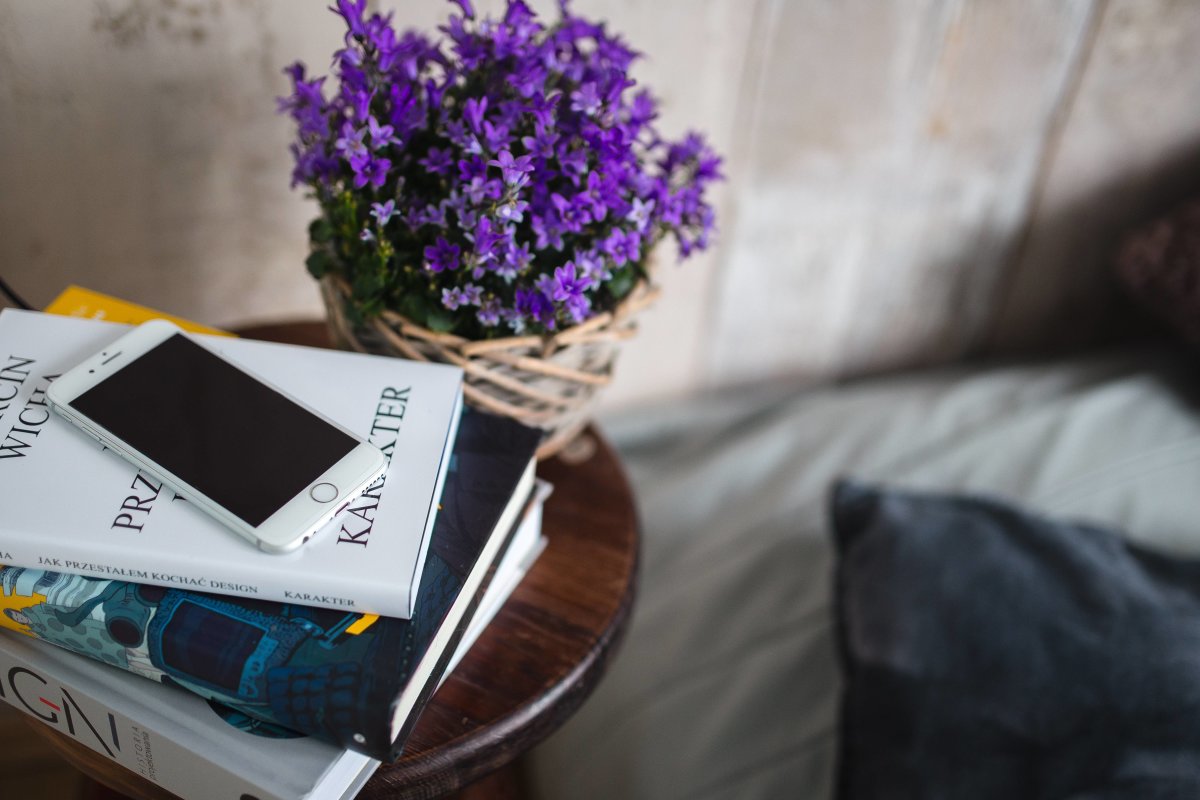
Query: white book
x: 169, y: 736
x: 179, y: 741
x: 71, y: 506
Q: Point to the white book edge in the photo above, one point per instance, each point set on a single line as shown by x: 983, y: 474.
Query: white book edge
x: 503, y: 534
x: 167, y: 735
x: 528, y: 543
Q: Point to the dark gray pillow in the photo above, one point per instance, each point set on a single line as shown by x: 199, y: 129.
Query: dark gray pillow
x: 991, y: 653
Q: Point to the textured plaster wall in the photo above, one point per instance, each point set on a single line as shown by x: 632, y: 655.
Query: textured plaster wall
x: 910, y: 182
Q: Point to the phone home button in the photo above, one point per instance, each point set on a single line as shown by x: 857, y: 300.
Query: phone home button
x: 323, y: 492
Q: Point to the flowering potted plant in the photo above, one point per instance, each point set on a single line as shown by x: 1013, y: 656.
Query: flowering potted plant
x: 491, y: 198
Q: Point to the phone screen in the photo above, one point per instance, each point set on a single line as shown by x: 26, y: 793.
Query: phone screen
x: 241, y: 443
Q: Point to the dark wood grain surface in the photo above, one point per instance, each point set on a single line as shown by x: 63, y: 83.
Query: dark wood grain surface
x: 531, y: 668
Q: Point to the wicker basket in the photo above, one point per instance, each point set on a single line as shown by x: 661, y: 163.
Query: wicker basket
x: 547, y: 381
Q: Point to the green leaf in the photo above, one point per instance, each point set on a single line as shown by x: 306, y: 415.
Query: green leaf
x: 319, y: 263
x: 320, y: 231
x: 354, y: 314
x: 367, y: 285
x: 622, y: 281
x: 438, y: 321
x: 417, y: 308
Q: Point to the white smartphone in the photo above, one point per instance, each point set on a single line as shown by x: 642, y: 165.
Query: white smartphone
x: 259, y: 461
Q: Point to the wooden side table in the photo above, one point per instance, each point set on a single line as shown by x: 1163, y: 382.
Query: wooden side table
x: 532, y: 667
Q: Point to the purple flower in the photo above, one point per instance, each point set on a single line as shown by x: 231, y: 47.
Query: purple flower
x: 482, y: 189
x: 350, y: 143
x: 427, y: 215
x: 473, y: 110
x: 453, y: 297
x: 640, y: 213
x: 489, y: 313
x: 572, y: 214
x: 368, y: 169
x: 486, y: 238
x: 513, y: 261
x: 585, y: 99
x: 350, y: 60
x: 601, y: 193
x: 467, y: 218
x: 566, y: 285
x: 644, y: 110
x: 512, y: 211
x: 360, y: 103
x: 437, y: 160
x: 513, y: 34
x: 622, y: 247
x: 578, y: 307
x: 529, y: 78
x: 382, y: 212
x: 615, y: 52
x: 441, y: 256
x: 592, y: 266
x: 471, y: 168
x: 407, y: 113
x: 306, y: 93
x: 566, y: 289
x: 544, y: 108
x: 511, y: 146
x: 513, y: 170
x: 495, y: 136
x: 306, y: 103
x: 382, y: 37
x: 533, y: 303
x: 352, y: 12
x: 380, y: 134
x: 312, y: 165
x: 547, y: 232
x: 541, y: 144
x: 521, y: 20
x: 514, y: 318
x: 574, y: 163
x: 671, y: 208
x: 473, y: 294
x: 459, y: 134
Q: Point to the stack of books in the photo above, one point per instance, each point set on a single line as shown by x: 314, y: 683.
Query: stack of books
x: 273, y: 676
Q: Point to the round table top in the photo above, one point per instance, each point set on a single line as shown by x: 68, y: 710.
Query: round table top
x: 534, y: 664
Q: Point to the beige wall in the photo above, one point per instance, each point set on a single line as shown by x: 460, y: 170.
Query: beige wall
x: 910, y: 181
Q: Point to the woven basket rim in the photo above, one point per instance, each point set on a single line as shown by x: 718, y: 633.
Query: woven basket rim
x: 535, y: 379
x: 643, y: 294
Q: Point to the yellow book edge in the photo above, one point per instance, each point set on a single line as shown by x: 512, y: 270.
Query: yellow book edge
x: 76, y: 301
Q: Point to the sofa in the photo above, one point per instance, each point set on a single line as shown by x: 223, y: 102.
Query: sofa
x: 730, y: 680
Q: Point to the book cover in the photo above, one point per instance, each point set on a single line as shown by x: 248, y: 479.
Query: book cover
x: 527, y: 545
x: 354, y: 680
x: 76, y: 301
x: 170, y: 737
x: 71, y: 506
x: 199, y: 749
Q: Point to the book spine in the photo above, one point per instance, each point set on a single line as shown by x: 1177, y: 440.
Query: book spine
x: 72, y: 705
x: 331, y: 591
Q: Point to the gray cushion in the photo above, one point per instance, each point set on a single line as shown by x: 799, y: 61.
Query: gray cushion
x: 991, y: 654
x: 727, y: 684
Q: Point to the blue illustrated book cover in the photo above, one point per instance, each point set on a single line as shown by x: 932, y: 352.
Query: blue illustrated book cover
x: 352, y: 679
